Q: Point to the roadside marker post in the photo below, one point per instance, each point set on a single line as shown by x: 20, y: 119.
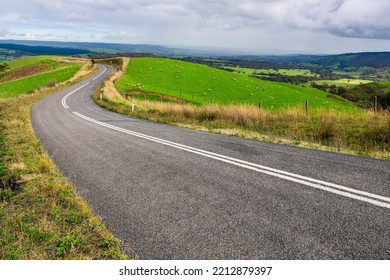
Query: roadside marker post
x: 307, y: 108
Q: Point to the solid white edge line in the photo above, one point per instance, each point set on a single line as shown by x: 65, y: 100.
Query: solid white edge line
x: 258, y: 168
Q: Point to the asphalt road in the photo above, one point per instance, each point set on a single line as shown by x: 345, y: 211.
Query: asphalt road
x: 173, y: 193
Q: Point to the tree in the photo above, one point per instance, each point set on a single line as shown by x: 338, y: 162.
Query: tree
x: 4, y: 67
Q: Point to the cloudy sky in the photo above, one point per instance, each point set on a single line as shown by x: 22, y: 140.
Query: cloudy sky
x: 258, y: 26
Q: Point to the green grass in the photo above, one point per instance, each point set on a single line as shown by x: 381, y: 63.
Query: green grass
x: 200, y: 84
x: 34, y: 60
x: 29, y: 84
x: 365, y: 133
x: 285, y: 72
x: 344, y: 82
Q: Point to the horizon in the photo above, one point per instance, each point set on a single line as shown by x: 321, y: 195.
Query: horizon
x: 203, y: 49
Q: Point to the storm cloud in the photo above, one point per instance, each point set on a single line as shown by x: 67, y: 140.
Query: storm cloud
x: 283, y: 24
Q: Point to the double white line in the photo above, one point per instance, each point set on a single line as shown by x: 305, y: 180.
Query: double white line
x: 70, y: 93
x: 367, y: 197
x: 77, y: 89
x: 377, y: 200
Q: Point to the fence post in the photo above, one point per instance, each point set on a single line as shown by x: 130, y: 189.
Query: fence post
x: 132, y: 108
x: 161, y: 99
x: 101, y: 93
x: 307, y: 108
x: 375, y: 104
x: 260, y: 105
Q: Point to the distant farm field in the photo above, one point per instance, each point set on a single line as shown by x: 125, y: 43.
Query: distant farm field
x: 344, y: 82
x: 200, y: 84
x: 27, y: 74
x: 285, y: 72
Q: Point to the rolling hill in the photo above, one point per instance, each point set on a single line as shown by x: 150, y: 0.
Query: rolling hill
x: 201, y: 84
x: 27, y: 74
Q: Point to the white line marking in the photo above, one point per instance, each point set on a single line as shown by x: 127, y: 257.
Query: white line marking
x: 66, y: 96
x: 374, y: 199
x: 70, y: 93
x: 100, y: 73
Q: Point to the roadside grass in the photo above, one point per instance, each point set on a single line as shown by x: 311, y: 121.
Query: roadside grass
x: 363, y: 133
x: 200, y: 84
x: 29, y: 84
x: 40, y: 215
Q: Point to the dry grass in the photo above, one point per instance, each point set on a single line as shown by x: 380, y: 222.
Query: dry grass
x: 40, y: 215
x: 361, y: 133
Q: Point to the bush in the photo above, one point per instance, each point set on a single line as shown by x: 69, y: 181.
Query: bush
x: 52, y: 83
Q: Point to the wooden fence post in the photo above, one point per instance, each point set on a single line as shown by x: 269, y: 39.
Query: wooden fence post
x: 260, y: 105
x: 375, y: 104
x: 307, y: 108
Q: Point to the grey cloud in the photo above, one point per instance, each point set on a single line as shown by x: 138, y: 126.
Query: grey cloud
x: 350, y: 18
x: 235, y: 23
x: 347, y: 18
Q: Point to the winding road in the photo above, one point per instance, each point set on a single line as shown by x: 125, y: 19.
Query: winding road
x: 173, y: 193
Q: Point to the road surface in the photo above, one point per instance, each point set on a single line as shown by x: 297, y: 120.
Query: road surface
x: 173, y: 193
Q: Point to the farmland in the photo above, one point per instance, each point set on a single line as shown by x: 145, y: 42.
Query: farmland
x: 287, y: 72
x: 200, y: 84
x: 28, y: 74
x: 344, y: 82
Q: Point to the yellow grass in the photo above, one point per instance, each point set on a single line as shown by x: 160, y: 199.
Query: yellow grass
x: 362, y: 133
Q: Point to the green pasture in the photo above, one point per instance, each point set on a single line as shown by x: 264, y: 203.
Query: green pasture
x: 48, y: 61
x: 284, y: 72
x: 28, y: 84
x: 343, y: 82
x: 200, y: 84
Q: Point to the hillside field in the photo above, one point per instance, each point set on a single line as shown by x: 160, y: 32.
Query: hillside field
x: 344, y: 82
x: 27, y: 74
x: 200, y: 84
x: 287, y: 72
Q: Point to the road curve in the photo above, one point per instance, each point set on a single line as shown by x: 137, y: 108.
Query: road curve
x: 173, y: 193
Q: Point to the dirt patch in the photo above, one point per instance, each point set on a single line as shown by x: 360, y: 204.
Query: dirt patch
x: 24, y: 72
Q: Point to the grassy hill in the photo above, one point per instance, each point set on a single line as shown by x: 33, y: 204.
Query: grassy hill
x: 363, y: 94
x: 27, y: 74
x: 200, y: 84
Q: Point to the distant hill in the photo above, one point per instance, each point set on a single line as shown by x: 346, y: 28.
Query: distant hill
x: 25, y: 50
x: 329, y: 62
x: 113, y: 48
x: 340, y: 61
